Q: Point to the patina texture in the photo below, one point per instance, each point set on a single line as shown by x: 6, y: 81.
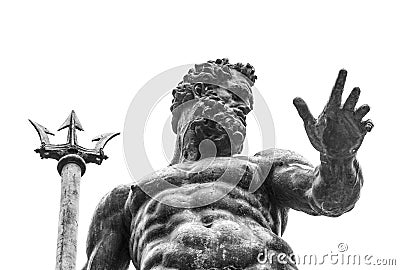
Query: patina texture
x: 72, y: 159
x: 69, y: 212
x: 228, y: 233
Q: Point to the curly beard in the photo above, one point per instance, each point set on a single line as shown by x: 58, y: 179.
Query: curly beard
x: 218, y: 123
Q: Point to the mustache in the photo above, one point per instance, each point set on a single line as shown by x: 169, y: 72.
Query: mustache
x: 223, y: 125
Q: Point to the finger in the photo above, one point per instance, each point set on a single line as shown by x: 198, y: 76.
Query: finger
x: 303, y: 110
x: 352, y: 127
x: 368, y: 125
x: 361, y: 112
x: 337, y: 91
x: 351, y: 101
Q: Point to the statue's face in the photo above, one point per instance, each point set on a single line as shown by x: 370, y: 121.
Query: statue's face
x: 214, y: 122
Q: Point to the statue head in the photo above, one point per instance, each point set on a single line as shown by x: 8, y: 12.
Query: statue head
x: 209, y: 109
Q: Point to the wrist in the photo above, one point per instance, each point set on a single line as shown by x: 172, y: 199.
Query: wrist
x: 327, y: 158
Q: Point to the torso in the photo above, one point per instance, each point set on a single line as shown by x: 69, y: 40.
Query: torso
x: 194, y: 219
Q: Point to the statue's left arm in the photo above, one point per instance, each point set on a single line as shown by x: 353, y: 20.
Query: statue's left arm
x: 333, y: 187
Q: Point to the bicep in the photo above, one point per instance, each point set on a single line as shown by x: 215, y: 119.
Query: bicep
x: 290, y: 180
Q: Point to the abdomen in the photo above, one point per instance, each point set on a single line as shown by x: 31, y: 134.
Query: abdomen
x: 227, y: 234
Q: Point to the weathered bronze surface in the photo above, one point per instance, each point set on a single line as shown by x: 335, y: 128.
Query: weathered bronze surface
x: 230, y: 233
x: 57, y: 151
x: 72, y: 160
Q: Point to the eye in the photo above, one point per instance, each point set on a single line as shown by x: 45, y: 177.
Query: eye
x: 207, y: 221
x: 224, y: 94
x: 236, y: 98
x: 198, y: 88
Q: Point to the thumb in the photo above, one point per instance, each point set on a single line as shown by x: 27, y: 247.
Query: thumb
x: 303, y: 110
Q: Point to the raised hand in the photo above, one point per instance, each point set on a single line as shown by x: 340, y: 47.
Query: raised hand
x: 339, y: 130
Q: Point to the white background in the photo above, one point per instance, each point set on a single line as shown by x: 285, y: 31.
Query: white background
x: 94, y: 56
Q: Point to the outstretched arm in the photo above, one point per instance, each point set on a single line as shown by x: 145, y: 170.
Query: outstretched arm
x: 333, y: 187
x: 330, y: 189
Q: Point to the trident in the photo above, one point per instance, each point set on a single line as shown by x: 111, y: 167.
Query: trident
x: 72, y: 159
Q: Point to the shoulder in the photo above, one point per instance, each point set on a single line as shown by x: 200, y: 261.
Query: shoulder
x: 111, y: 203
x: 109, y: 215
x: 281, y: 157
x: 116, y: 197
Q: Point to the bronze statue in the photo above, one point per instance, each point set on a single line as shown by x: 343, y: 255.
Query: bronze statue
x: 231, y: 232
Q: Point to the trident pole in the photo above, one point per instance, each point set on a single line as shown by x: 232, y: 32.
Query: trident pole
x: 72, y: 159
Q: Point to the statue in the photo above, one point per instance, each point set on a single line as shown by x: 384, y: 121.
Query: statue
x: 231, y: 232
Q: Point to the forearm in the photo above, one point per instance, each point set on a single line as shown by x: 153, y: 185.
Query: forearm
x: 336, y: 186
x: 330, y: 189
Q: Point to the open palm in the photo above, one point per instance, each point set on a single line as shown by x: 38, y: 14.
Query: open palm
x: 339, y: 130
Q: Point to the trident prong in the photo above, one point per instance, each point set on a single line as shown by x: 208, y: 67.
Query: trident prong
x: 57, y: 151
x: 72, y: 159
x: 42, y: 132
x: 103, y: 139
x: 72, y: 123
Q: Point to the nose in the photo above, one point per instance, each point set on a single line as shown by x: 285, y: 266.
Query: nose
x: 244, y: 109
